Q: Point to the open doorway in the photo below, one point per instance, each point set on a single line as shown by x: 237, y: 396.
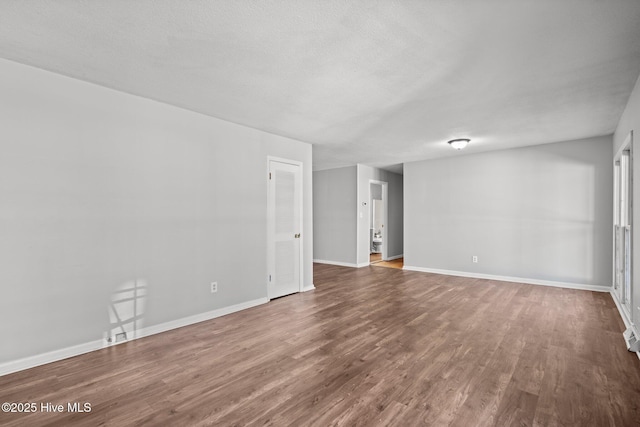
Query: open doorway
x: 378, y: 213
x: 389, y: 240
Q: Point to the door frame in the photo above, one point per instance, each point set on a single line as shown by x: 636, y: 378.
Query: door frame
x: 385, y: 218
x: 270, y: 237
x: 625, y: 301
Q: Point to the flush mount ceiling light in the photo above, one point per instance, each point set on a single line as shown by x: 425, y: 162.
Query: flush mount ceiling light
x: 459, y: 144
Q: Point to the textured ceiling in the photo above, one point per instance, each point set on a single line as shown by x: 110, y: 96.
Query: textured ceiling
x: 373, y: 82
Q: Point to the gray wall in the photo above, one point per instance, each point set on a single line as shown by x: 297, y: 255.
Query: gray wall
x: 396, y: 214
x: 334, y: 215
x: 395, y: 207
x: 541, y: 212
x: 100, y: 189
x: 630, y: 121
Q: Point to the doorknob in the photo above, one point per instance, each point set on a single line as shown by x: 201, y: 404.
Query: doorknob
x: 297, y: 236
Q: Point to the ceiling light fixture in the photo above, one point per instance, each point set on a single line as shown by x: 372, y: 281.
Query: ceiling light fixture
x: 459, y: 144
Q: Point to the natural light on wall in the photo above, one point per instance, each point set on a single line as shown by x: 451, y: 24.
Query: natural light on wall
x: 126, y: 311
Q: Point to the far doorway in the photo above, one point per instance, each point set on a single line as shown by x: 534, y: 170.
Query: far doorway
x: 378, y: 214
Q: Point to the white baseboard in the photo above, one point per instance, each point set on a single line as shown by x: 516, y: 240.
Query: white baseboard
x: 308, y: 288
x: 348, y: 264
x: 623, y: 314
x: 51, y: 356
x: 76, y: 350
x: 596, y: 288
x: 625, y: 319
x: 197, y: 318
x: 341, y: 264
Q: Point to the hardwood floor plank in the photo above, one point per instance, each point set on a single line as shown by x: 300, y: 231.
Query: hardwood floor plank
x: 369, y: 346
x: 517, y: 408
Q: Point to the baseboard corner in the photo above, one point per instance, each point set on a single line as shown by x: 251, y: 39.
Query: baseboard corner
x: 338, y: 263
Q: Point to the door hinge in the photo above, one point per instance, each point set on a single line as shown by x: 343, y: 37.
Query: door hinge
x: 269, y: 278
x: 269, y: 175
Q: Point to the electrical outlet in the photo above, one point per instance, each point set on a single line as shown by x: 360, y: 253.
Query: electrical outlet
x: 214, y: 287
x: 475, y: 258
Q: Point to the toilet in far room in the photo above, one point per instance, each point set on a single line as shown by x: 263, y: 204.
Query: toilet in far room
x: 376, y: 242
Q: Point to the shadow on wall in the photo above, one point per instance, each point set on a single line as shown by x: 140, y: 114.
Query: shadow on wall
x: 126, y: 311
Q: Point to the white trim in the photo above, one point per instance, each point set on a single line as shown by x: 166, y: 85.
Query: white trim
x: 627, y: 145
x: 350, y: 264
x: 197, y: 318
x: 51, y: 356
x: 341, y: 264
x: 359, y: 212
x: 625, y: 318
x: 567, y: 285
x: 76, y: 350
x: 623, y: 313
x: 308, y: 288
x: 270, y: 238
x: 385, y: 217
x: 391, y: 258
x: 283, y: 160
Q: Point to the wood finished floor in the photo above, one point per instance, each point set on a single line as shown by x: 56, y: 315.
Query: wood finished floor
x: 370, y: 346
x: 394, y: 263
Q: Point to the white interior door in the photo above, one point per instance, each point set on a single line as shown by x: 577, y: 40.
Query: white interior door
x: 284, y: 228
